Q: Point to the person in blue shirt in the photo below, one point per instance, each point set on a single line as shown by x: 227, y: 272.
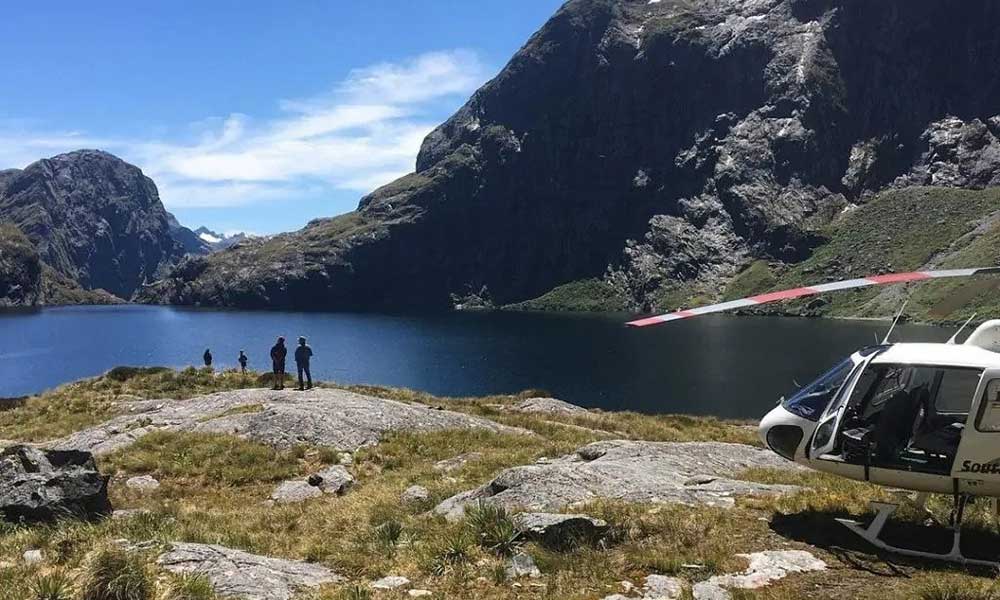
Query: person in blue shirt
x: 302, y: 355
x: 278, y: 353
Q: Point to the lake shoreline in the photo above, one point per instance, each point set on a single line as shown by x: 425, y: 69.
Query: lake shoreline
x: 696, y: 366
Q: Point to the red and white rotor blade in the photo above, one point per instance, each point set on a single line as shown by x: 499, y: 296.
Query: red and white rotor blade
x: 847, y: 284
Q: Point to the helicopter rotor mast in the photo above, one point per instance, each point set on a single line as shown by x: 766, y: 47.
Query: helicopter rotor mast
x: 802, y: 292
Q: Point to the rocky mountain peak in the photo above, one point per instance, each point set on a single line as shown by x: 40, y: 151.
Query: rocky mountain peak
x: 93, y: 218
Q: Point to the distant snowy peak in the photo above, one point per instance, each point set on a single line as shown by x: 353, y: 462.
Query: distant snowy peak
x: 219, y: 241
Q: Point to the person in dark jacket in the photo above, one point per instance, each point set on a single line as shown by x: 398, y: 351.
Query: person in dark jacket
x: 208, y: 357
x: 302, y: 355
x: 278, y: 354
x: 243, y: 362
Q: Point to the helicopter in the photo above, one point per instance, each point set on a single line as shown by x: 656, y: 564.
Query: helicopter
x: 920, y: 417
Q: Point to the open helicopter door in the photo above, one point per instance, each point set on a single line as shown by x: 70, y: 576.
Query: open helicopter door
x: 977, y: 462
x: 825, y: 438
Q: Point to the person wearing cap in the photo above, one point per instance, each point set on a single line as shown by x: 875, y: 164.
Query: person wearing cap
x: 302, y: 355
x: 278, y: 354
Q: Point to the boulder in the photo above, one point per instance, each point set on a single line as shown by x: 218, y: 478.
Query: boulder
x: 42, y: 485
x: 238, y: 574
x: 522, y: 565
x: 32, y: 557
x: 419, y: 593
x: 296, y: 490
x: 634, y: 471
x: 391, y: 582
x: 549, y: 406
x: 415, y: 494
x: 284, y: 418
x: 765, y: 567
x: 143, y: 483
x: 457, y: 462
x: 332, y: 480
x: 660, y: 587
x: 559, y: 530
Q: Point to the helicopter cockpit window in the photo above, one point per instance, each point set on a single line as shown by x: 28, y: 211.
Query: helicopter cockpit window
x: 989, y: 413
x: 810, y: 401
x: 956, y: 390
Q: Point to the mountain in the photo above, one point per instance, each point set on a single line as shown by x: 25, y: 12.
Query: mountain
x: 219, y: 241
x: 95, y: 221
x: 652, y: 154
x: 189, y: 240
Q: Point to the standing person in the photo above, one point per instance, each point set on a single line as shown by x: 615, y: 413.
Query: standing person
x: 208, y: 357
x: 278, y: 354
x: 243, y: 362
x: 302, y: 355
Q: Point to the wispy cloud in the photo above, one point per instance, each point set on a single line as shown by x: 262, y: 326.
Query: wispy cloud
x: 362, y: 133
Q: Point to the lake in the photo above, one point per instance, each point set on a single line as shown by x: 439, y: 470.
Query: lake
x: 718, y: 365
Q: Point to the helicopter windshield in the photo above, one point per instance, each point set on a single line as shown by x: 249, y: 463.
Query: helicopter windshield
x: 810, y: 401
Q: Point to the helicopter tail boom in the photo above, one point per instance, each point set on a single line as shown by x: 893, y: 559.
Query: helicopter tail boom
x: 801, y: 292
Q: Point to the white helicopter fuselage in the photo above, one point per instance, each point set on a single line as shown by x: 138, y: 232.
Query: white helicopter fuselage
x: 921, y: 417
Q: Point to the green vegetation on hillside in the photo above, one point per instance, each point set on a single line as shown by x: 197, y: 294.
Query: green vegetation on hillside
x: 898, y: 230
x: 906, y: 230
x: 594, y: 295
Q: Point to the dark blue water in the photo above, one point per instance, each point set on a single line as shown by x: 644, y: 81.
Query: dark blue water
x: 726, y: 366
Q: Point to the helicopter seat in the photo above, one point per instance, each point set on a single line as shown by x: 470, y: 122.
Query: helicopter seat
x: 857, y: 444
x: 941, y: 442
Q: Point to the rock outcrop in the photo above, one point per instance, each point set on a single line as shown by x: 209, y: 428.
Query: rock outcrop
x: 238, y: 574
x: 93, y: 218
x: 548, y: 405
x: 319, y: 417
x: 20, y: 269
x: 44, y: 485
x: 673, y: 141
x: 633, y: 471
x: 559, y: 531
x: 765, y: 567
x: 334, y: 480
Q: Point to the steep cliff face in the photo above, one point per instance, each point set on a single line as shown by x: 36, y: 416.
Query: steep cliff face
x: 650, y: 144
x: 20, y: 269
x: 93, y: 218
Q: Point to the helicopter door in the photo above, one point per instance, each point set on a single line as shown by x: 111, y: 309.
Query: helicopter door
x: 978, y: 456
x: 825, y: 438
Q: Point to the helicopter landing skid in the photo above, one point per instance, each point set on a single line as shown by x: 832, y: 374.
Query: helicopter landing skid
x: 884, y: 511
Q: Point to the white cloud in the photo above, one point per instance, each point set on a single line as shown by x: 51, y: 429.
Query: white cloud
x: 363, y: 133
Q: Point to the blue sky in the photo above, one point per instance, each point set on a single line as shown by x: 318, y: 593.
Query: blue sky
x: 254, y: 116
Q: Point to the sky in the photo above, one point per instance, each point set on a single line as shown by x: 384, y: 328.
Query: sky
x: 249, y: 116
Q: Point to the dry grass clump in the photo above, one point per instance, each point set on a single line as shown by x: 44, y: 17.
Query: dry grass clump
x: 111, y: 573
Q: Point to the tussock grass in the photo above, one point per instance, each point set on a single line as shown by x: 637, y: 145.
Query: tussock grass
x: 111, y: 573
x: 52, y: 586
x: 205, y: 459
x: 189, y: 587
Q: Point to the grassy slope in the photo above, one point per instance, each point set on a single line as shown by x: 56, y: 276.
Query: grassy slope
x: 214, y: 486
x: 903, y: 230
x: 899, y: 230
x: 585, y: 295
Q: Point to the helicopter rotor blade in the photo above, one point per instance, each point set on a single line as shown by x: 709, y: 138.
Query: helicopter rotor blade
x: 836, y: 286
